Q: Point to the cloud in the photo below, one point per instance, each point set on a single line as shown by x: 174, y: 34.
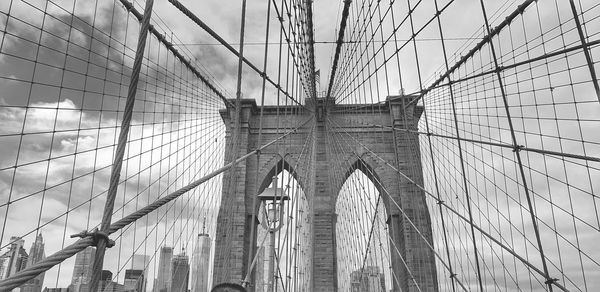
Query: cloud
x: 59, y: 127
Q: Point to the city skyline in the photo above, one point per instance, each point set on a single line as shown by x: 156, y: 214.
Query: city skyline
x: 163, y: 280
x: 17, y: 259
x: 135, y: 278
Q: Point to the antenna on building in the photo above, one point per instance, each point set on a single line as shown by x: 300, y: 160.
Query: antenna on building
x: 204, y: 226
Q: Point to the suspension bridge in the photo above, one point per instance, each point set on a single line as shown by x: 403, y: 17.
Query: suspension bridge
x: 299, y: 145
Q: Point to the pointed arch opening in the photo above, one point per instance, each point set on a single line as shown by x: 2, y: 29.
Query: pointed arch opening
x: 362, y: 240
x: 283, y: 247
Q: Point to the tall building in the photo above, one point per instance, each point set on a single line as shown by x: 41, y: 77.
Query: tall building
x: 82, y: 271
x: 14, y: 260
x: 140, y: 263
x: 36, y: 254
x: 180, y: 272
x: 367, y: 280
x: 201, y: 263
x: 105, y: 281
x: 163, y: 280
x: 135, y: 280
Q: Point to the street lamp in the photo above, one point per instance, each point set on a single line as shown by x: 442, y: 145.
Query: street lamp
x: 273, y: 201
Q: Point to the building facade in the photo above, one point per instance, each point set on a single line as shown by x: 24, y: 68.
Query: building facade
x: 56, y: 289
x: 163, y: 281
x: 36, y: 254
x: 201, y: 263
x: 180, y: 271
x: 135, y: 280
x: 15, y: 259
x: 82, y: 270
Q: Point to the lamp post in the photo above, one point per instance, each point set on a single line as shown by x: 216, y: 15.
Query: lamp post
x: 273, y: 201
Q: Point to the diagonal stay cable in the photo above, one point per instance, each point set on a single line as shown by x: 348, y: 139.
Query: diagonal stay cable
x: 486, y: 234
x: 391, y: 199
x: 204, y: 26
x: 129, y: 6
x: 29, y: 273
x: 103, y: 242
x: 492, y: 33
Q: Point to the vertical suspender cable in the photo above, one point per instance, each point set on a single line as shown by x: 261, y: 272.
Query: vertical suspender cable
x: 338, y: 47
x: 251, y: 252
x: 586, y: 50
x: 122, y: 142
x: 549, y: 281
x: 462, y: 163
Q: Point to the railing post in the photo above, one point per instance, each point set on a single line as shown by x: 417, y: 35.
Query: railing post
x: 102, y: 242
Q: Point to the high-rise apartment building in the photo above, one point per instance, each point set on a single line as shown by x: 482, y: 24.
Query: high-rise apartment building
x: 368, y: 279
x: 141, y: 263
x: 36, y: 254
x: 135, y: 280
x: 14, y: 260
x: 163, y: 279
x: 180, y: 271
x: 201, y: 263
x: 82, y: 270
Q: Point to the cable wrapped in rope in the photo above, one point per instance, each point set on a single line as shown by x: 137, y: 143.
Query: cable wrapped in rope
x: 338, y: 47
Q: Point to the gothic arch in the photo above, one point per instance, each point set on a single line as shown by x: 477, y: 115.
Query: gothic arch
x: 274, y: 166
x: 375, y: 172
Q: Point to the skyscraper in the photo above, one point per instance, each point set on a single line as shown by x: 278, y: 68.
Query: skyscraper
x: 135, y: 280
x: 105, y: 281
x: 82, y: 271
x: 201, y: 263
x: 367, y: 280
x: 140, y: 263
x: 163, y: 280
x: 36, y: 254
x: 180, y: 271
x: 14, y: 260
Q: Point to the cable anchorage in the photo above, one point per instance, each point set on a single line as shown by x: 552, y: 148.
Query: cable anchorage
x: 96, y: 235
x: 518, y: 148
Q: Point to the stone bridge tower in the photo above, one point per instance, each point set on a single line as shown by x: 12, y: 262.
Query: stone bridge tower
x: 375, y: 147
